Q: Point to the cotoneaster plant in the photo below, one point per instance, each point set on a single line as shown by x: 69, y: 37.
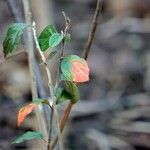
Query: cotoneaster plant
x: 72, y: 70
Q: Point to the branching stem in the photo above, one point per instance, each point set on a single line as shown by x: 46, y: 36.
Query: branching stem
x: 67, y: 111
x: 51, y: 89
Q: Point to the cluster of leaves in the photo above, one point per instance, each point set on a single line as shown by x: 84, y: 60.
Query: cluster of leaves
x: 74, y: 69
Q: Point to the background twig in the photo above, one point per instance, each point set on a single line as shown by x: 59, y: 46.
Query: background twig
x: 15, y: 10
x: 12, y: 4
x: 93, y: 29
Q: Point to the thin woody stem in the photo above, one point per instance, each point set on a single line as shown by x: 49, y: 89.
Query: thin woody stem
x: 67, y: 25
x: 30, y: 51
x: 63, y: 121
x: 67, y: 111
x: 51, y: 89
x: 93, y: 29
x: 65, y: 117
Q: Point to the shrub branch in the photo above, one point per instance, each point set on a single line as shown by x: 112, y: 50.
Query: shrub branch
x: 93, y: 29
x: 51, y: 89
x: 89, y: 42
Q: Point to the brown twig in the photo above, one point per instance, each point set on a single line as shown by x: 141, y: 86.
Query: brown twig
x: 67, y: 111
x: 93, y: 29
x: 67, y: 25
x: 63, y: 122
x: 64, y: 33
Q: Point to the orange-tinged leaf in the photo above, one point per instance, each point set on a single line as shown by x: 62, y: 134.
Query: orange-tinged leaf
x: 74, y: 68
x: 24, y: 111
x: 80, y: 71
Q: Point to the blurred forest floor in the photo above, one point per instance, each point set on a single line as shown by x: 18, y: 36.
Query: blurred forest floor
x: 114, y: 111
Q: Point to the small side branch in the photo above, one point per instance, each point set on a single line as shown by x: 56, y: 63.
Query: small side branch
x: 93, y: 29
x: 67, y: 111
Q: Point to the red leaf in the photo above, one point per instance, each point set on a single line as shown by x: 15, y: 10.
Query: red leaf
x: 80, y: 71
x: 24, y: 111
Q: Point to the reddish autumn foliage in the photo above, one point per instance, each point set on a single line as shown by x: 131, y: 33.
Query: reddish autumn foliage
x: 80, y: 71
x: 24, y: 111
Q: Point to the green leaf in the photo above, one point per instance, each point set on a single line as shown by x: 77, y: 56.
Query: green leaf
x: 69, y: 91
x: 55, y: 39
x: 51, y: 55
x: 73, y: 90
x: 61, y: 95
x: 72, y: 57
x: 66, y: 70
x: 66, y: 67
x: 13, y: 36
x: 44, y: 37
x: 37, y: 101
x: 28, y: 136
x: 67, y: 38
